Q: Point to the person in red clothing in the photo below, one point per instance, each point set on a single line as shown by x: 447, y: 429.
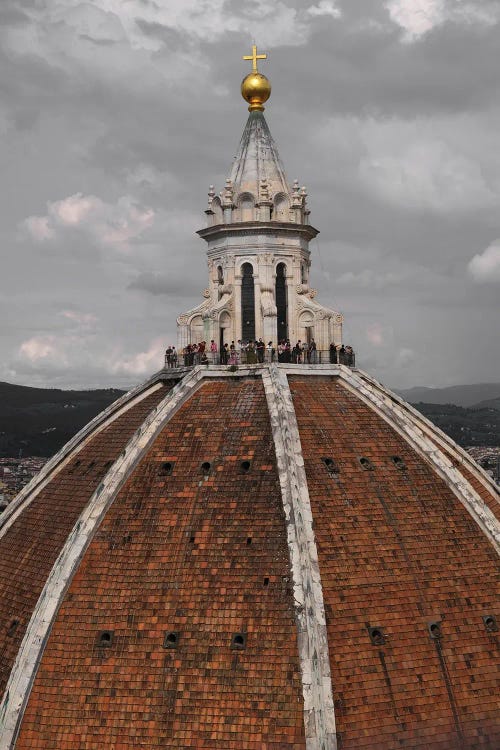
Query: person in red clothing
x: 213, y: 351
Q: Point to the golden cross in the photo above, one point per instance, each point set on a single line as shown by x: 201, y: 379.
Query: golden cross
x: 254, y: 57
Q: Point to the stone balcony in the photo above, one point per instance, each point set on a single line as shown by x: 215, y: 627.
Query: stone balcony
x: 243, y: 357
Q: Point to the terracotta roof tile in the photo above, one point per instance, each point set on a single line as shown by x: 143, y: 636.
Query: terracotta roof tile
x: 185, y: 555
x: 185, y: 561
x: 397, y: 550
x: 26, y: 555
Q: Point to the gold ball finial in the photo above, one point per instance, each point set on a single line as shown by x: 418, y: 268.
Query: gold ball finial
x: 255, y: 87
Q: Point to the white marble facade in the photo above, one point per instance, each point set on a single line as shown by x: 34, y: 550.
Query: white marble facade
x: 258, y: 219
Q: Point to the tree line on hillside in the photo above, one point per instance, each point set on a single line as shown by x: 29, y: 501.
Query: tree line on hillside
x: 39, y: 421
x: 466, y: 426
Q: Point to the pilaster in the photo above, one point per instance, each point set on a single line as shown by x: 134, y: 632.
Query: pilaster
x: 293, y: 312
x: 259, y: 326
x: 237, y: 319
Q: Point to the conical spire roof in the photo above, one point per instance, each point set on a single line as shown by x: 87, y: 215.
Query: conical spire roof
x: 257, y: 168
x: 257, y: 189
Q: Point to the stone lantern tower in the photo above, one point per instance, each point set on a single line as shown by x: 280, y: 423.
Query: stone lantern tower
x: 258, y: 236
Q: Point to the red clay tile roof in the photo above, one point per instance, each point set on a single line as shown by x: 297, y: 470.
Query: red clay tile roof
x: 201, y: 556
x: 187, y: 559
x: 30, y: 548
x: 397, y: 550
x: 489, y: 495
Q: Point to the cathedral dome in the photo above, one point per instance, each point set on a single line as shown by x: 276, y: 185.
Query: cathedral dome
x: 280, y: 556
x: 268, y: 556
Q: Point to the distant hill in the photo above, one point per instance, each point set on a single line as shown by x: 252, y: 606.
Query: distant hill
x: 460, y: 395
x: 490, y: 403
x: 39, y: 421
x: 467, y: 427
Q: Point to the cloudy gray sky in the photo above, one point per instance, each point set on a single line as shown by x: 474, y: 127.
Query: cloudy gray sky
x: 116, y: 115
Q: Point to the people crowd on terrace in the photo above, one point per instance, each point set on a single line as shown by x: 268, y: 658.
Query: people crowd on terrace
x: 255, y: 352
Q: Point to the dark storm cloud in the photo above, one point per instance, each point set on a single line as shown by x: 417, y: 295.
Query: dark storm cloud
x: 167, y: 35
x: 162, y: 284
x: 11, y: 15
x: 448, y: 71
x: 93, y: 40
x: 113, y: 127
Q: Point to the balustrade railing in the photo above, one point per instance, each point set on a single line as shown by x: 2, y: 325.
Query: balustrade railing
x: 245, y: 357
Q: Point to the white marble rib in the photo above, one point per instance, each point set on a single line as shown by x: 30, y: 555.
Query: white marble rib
x: 31, y: 650
x: 319, y: 713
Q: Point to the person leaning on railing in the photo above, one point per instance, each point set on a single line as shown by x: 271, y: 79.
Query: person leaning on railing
x: 213, y: 351
x: 254, y: 352
x: 343, y: 355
